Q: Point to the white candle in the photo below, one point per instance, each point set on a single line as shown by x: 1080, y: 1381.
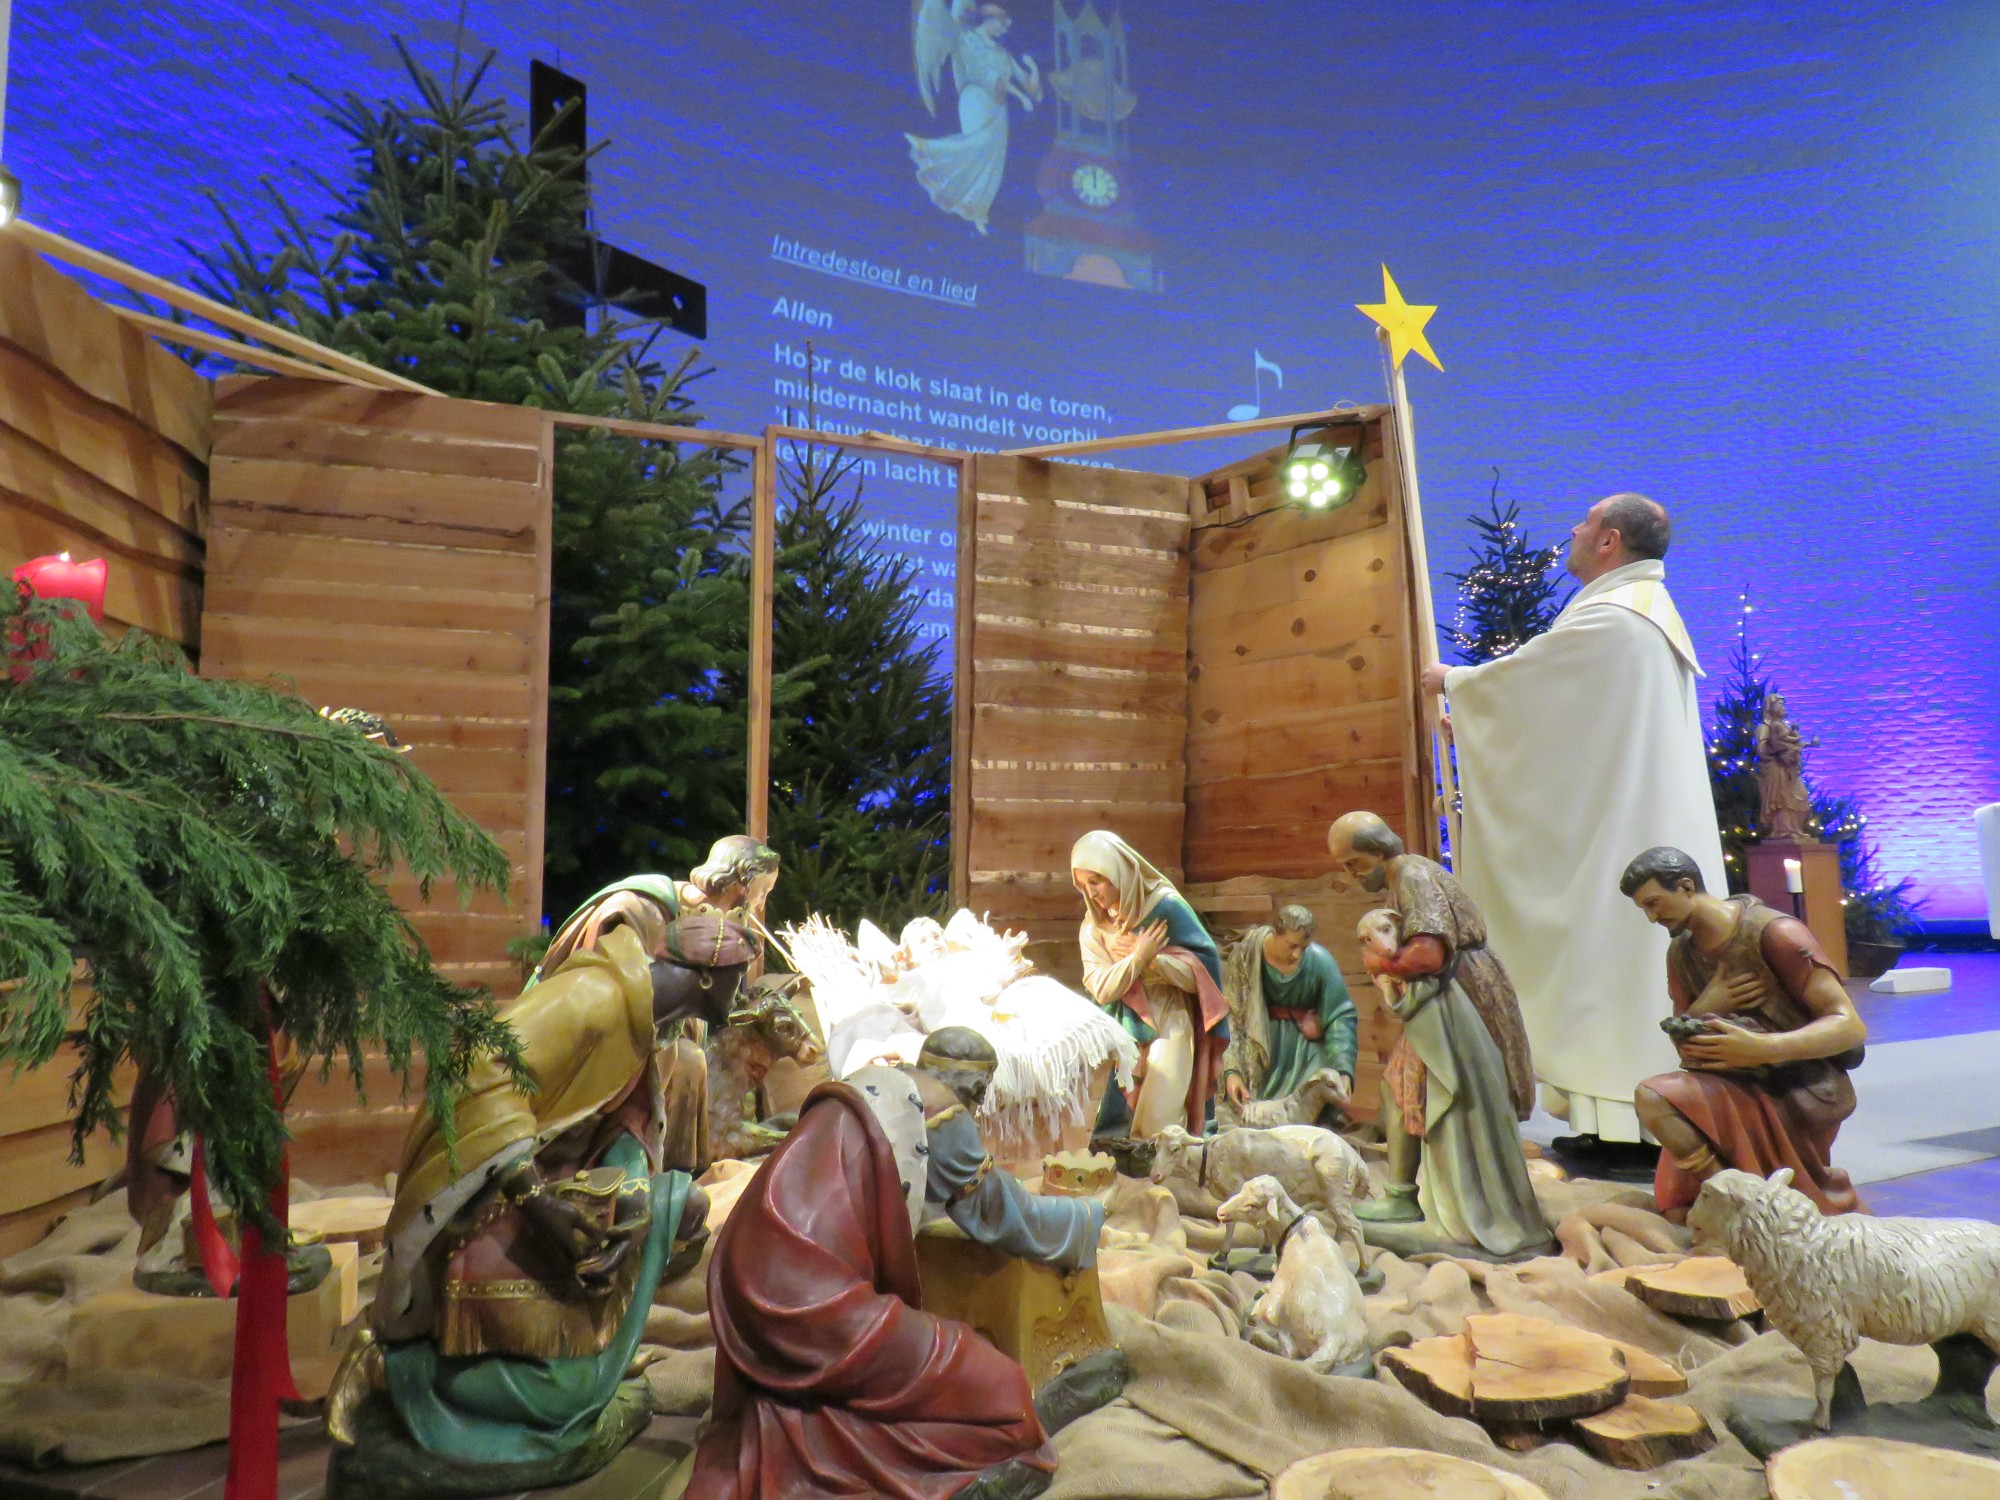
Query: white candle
x: 1795, y: 877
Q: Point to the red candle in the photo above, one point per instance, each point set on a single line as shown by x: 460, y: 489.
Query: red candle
x: 59, y: 578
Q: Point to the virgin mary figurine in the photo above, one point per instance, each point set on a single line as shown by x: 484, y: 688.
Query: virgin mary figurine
x: 1150, y: 963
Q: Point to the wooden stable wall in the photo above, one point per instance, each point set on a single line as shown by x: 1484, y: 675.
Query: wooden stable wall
x: 1078, y: 666
x: 390, y: 552
x: 1301, y: 703
x: 104, y: 442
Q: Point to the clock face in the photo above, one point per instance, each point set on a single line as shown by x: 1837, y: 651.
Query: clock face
x: 1094, y: 185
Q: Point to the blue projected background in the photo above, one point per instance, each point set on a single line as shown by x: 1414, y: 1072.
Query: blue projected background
x: 1741, y: 258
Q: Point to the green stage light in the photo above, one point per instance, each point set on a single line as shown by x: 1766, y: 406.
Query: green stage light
x: 10, y: 197
x: 1320, y: 474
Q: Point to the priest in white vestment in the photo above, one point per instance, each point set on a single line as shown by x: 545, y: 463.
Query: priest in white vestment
x: 1577, y: 751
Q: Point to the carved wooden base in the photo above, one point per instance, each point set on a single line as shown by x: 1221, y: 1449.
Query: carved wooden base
x: 1046, y: 1319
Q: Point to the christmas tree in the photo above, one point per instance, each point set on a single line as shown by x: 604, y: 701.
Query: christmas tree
x: 861, y: 757
x: 211, y: 852
x: 1507, y: 596
x: 1876, y: 909
x: 435, y: 263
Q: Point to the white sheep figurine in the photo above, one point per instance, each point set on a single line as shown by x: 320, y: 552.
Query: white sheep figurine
x: 1312, y: 1309
x: 1317, y: 1168
x: 1827, y: 1283
x: 1320, y: 1092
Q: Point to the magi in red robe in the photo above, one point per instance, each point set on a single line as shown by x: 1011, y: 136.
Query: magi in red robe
x: 829, y: 1379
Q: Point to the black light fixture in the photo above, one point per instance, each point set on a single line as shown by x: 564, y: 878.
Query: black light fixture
x: 10, y: 197
x: 1320, y: 473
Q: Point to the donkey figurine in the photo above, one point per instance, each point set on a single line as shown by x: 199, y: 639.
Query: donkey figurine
x: 766, y: 1026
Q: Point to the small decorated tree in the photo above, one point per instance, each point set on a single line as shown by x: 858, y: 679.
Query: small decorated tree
x: 1508, y: 595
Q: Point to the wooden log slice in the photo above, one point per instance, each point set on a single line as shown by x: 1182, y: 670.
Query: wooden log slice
x: 1651, y: 1375
x: 1438, y: 1372
x: 1531, y: 1370
x: 358, y: 1220
x: 1641, y: 1433
x: 1709, y: 1286
x: 1398, y: 1474
x: 1880, y: 1470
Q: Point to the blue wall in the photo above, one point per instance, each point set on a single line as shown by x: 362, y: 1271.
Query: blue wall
x: 1738, y: 256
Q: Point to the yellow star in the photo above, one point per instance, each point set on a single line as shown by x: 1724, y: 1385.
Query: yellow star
x: 1404, y: 323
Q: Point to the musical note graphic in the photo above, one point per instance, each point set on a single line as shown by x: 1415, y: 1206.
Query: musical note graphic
x: 1249, y: 411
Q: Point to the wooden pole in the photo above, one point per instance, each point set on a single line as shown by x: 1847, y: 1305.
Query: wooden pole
x: 658, y: 432
x: 169, y: 332
x: 1420, y: 568
x: 763, y: 594
x: 55, y: 247
x: 961, y: 682
x: 538, y: 722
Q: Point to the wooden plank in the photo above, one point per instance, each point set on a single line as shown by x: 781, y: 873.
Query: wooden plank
x: 53, y: 319
x: 464, y: 770
x: 253, y: 641
x: 1281, y: 530
x: 445, y: 901
x: 448, y: 503
x: 427, y: 731
x: 302, y: 440
x: 659, y: 432
x: 395, y: 694
x: 27, y: 1227
x: 1044, y: 684
x: 763, y: 586
x: 1308, y: 576
x: 165, y: 601
x: 1040, y: 835
x: 1297, y: 803
x: 310, y: 523
x: 106, y: 443
x: 1013, y: 521
x: 1366, y: 732
x: 276, y: 597
x: 1288, y: 630
x: 1004, y: 640
x: 1224, y: 691
x: 247, y: 397
x: 1036, y: 734
x: 39, y: 1098
x: 1010, y: 781
x: 35, y: 1166
x: 1156, y: 613
x: 251, y: 551
x: 1049, y: 564
x: 1049, y: 897
x: 185, y: 336
x: 37, y: 480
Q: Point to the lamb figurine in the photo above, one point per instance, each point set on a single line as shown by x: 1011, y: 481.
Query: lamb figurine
x: 1320, y: 1092
x: 1312, y: 1309
x: 1316, y: 1167
x: 1828, y: 1283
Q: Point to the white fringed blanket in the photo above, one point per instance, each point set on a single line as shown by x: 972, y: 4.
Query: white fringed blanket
x: 877, y: 1003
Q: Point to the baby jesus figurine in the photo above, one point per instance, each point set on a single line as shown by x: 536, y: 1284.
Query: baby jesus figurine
x: 1446, y: 1102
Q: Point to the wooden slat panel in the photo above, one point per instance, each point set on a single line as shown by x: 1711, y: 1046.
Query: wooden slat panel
x: 1046, y: 480
x: 40, y: 1098
x: 1040, y: 835
x: 245, y: 549
x: 1034, y: 734
x: 35, y: 1166
x: 1005, y: 640
x: 445, y: 901
x: 1024, y: 899
x: 1231, y: 692
x: 1366, y: 732
x: 1282, y: 530
x: 304, y: 440
x: 1016, y: 522
x: 1296, y: 802
x: 476, y: 508
x: 244, y: 397
x: 393, y: 694
x: 35, y: 480
x: 1009, y: 781
x: 1152, y: 614
x: 458, y: 770
x: 56, y: 321
x: 1061, y: 564
x: 251, y: 641
x: 1310, y: 577
x: 1372, y: 610
x: 103, y: 441
x: 426, y: 730
x: 1044, y: 684
x: 279, y: 598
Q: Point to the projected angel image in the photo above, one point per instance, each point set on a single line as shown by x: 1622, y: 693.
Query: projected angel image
x: 962, y: 172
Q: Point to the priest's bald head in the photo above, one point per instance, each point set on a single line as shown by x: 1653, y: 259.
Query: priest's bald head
x: 1617, y: 530
x: 1362, y: 845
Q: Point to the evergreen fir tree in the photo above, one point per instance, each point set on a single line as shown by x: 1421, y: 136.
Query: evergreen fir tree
x: 434, y: 263
x: 196, y: 843
x: 861, y: 755
x: 1877, y: 909
x: 1507, y: 596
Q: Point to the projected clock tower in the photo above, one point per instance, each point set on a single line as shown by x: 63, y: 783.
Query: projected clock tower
x: 1088, y: 228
